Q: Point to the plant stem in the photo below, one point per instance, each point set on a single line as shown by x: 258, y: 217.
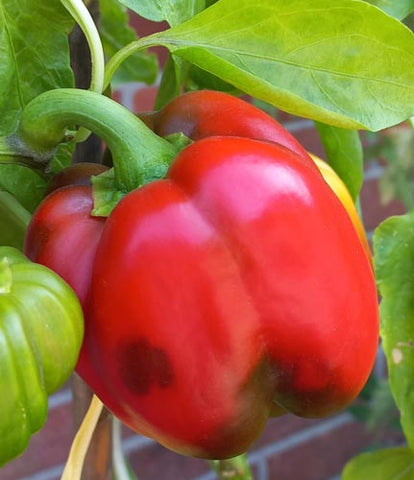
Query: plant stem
x: 125, y: 52
x: 88, y: 147
x: 98, y: 460
x: 120, y: 465
x: 139, y: 155
x: 83, y: 18
x: 74, y: 464
x: 236, y: 468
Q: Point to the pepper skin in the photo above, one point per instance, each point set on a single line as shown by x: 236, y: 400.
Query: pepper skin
x: 63, y: 223
x: 76, y: 174
x: 339, y: 187
x: 235, y: 284
x: 63, y: 236
x: 206, y: 113
x: 64, y: 219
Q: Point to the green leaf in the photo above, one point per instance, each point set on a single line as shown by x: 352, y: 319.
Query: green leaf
x: 344, y: 63
x: 34, y: 54
x: 115, y: 34
x: 394, y: 268
x: 198, y: 79
x: 170, y: 85
x: 173, y: 11
x: 397, y: 8
x: 345, y: 155
x: 25, y: 184
x: 387, y: 464
x: 41, y: 331
x: 13, y: 221
x: 106, y: 196
x: 62, y: 158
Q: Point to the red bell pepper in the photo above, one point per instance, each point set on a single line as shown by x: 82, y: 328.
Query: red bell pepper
x: 206, y: 113
x: 231, y: 289
x: 235, y: 284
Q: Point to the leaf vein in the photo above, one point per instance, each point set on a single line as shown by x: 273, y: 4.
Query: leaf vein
x: 13, y: 53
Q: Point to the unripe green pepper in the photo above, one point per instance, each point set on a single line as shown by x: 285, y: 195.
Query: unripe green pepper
x: 41, y: 330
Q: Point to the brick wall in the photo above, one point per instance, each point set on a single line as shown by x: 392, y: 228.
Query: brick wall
x: 289, y: 449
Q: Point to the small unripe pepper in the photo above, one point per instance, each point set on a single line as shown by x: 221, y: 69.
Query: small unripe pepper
x: 41, y: 331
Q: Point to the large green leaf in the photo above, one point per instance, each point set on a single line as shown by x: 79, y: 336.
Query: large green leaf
x: 344, y: 63
x: 387, y: 464
x: 394, y: 268
x: 397, y: 8
x: 173, y: 11
x: 34, y: 54
x: 115, y: 34
x: 344, y: 152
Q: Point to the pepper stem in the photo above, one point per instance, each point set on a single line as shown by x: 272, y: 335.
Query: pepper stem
x: 121, y: 468
x: 74, y: 464
x: 83, y: 18
x: 236, y: 468
x: 138, y: 154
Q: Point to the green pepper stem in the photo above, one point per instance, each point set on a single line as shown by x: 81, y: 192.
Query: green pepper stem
x: 236, y: 468
x: 138, y: 154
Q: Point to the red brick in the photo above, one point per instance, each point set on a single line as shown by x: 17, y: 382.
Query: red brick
x: 278, y: 428
x: 157, y: 462
x: 145, y: 27
x: 322, y: 457
x: 144, y: 99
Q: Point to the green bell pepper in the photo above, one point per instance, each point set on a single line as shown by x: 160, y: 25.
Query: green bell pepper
x: 41, y: 331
